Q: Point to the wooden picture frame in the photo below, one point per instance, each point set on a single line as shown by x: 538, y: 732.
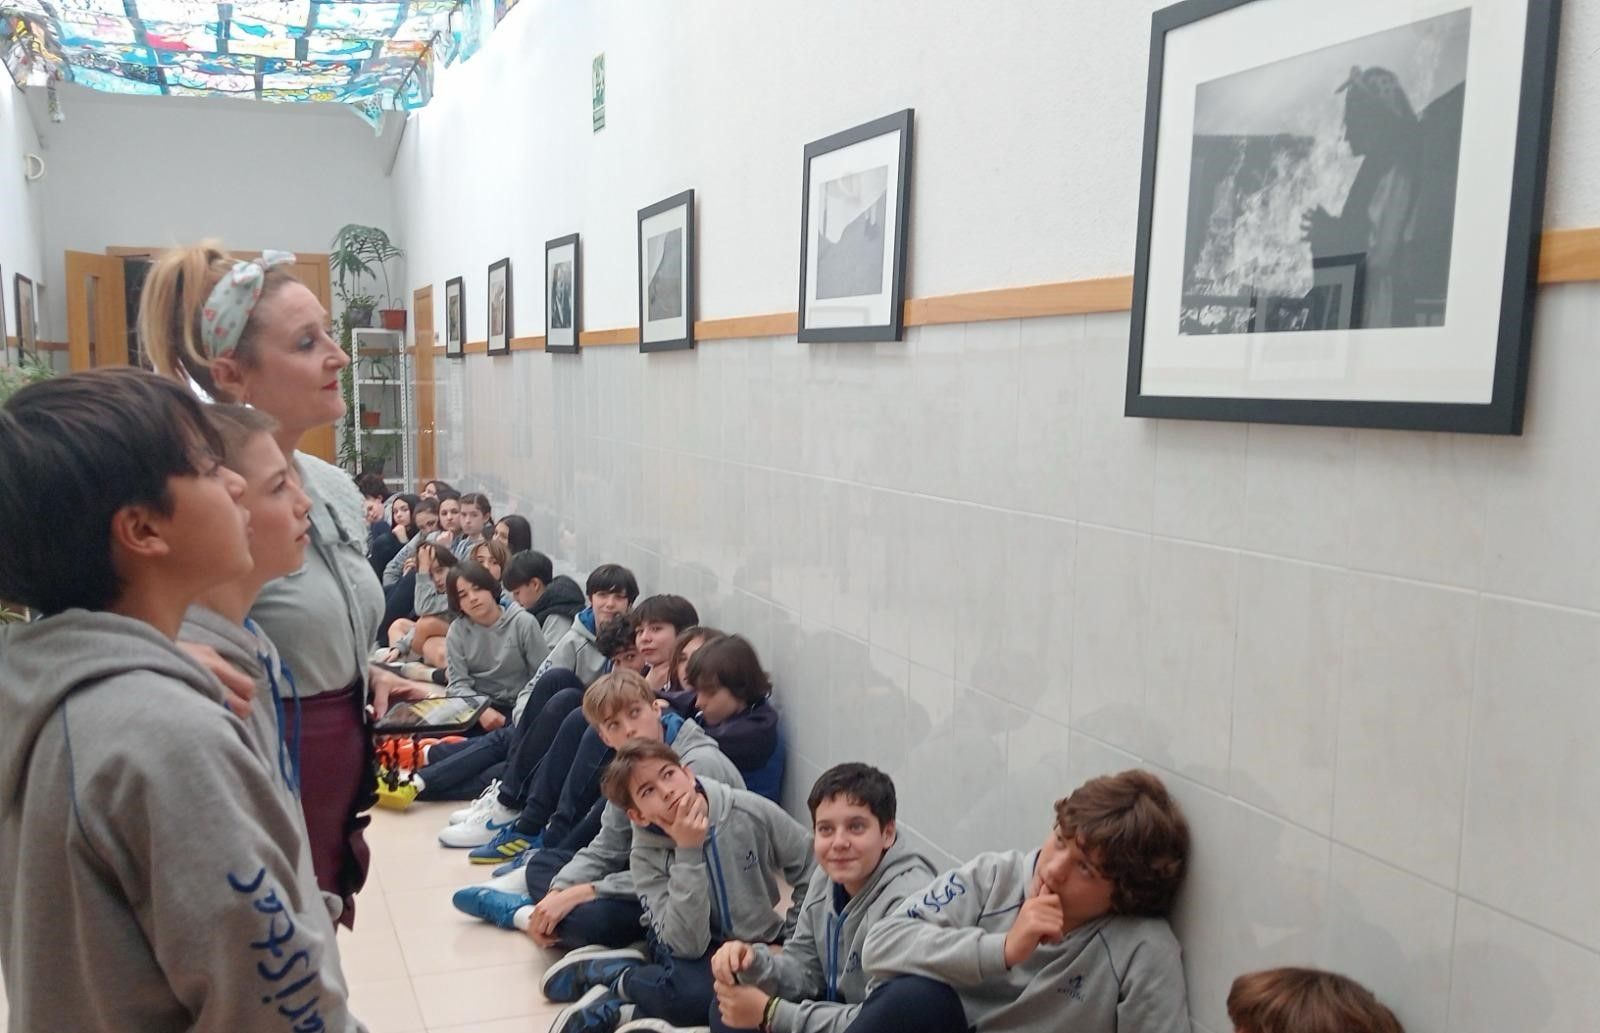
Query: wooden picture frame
x: 855, y: 201
x: 1412, y: 308
x: 666, y: 274
x: 500, y: 322
x: 563, y: 294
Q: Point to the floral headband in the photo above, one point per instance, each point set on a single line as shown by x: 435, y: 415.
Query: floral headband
x: 232, y: 300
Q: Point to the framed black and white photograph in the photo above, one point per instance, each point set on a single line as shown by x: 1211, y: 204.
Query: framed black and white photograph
x: 1339, y: 212
x: 666, y: 274
x: 455, y: 318
x: 27, y: 317
x: 500, y: 307
x: 562, y: 296
x: 854, y: 200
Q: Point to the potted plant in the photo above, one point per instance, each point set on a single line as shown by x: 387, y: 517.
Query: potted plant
x: 28, y: 370
x: 371, y: 419
x: 356, y: 251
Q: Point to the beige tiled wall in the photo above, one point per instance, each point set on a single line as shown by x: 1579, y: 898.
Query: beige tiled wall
x: 1366, y: 661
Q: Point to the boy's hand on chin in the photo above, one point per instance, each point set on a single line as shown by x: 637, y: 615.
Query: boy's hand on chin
x: 692, y: 824
x: 1041, y: 920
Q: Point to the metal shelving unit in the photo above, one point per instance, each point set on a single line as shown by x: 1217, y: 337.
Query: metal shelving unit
x: 383, y: 425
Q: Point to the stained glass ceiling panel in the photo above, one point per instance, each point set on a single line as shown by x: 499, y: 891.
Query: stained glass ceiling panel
x: 376, y: 55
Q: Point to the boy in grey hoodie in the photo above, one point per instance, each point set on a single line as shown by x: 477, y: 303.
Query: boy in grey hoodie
x: 706, y: 860
x: 816, y: 983
x: 150, y: 876
x: 611, y: 588
x: 1070, y: 936
x: 493, y: 649
x: 576, y: 897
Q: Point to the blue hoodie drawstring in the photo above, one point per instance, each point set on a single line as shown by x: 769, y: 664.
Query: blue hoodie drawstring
x: 288, y: 762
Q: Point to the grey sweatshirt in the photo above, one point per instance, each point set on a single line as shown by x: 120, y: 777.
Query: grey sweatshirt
x: 496, y: 661
x: 818, y: 976
x: 726, y: 889
x: 150, y: 872
x: 576, y: 652
x: 604, y: 862
x: 1112, y: 975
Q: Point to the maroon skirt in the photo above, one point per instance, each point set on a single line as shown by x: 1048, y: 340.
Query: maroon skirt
x: 337, y: 784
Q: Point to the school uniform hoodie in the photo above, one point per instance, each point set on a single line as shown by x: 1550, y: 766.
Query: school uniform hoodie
x: 751, y: 738
x: 558, y: 606
x: 1115, y: 973
x: 604, y: 861
x: 727, y: 888
x: 494, y: 661
x: 576, y: 652
x: 150, y: 874
x: 818, y: 976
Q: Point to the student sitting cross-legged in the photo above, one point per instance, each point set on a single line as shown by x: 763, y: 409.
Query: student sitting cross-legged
x: 816, y: 983
x: 1073, y: 935
x: 561, y: 793
x: 153, y: 868
x: 1305, y: 1000
x: 576, y: 897
x: 706, y: 861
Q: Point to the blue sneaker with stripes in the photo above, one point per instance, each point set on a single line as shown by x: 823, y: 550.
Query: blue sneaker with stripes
x: 507, y: 844
x: 586, y: 968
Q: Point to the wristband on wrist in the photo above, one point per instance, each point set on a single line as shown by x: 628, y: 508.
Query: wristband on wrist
x: 769, y: 1014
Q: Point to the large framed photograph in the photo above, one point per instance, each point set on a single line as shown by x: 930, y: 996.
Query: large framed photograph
x: 853, y: 207
x: 562, y: 295
x: 27, y: 317
x: 500, y: 307
x: 1339, y: 212
x: 455, y: 318
x: 666, y: 274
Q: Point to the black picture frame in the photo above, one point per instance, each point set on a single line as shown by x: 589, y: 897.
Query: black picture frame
x: 892, y: 328
x: 1521, y: 218
x: 553, y: 303
x: 5, y: 337
x: 27, y: 302
x: 680, y: 338
x: 455, y: 343
x: 500, y: 268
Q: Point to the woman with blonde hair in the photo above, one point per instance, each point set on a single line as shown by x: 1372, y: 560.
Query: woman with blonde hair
x: 249, y: 333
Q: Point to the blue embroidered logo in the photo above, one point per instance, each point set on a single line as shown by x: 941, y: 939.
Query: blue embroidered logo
x: 938, y: 898
x: 1073, y: 989
x: 300, y: 1012
x: 853, y: 962
x: 749, y: 860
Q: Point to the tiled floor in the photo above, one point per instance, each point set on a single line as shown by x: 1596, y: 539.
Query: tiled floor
x: 416, y: 965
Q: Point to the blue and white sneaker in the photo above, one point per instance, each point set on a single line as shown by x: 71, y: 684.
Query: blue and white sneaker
x: 598, y: 1011
x: 479, y: 828
x: 574, y: 975
x: 507, y: 844
x: 659, y: 1026
x: 516, y: 864
x: 494, y: 906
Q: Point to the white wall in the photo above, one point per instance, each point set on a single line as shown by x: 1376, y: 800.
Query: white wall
x: 21, y: 202
x: 1364, y: 660
x: 161, y: 171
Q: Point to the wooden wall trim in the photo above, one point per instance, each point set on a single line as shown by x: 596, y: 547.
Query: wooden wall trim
x: 1565, y: 256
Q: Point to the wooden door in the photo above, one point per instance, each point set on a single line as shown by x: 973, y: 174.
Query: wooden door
x: 423, y: 388
x: 97, y: 318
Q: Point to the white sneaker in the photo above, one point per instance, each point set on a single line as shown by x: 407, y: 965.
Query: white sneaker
x: 478, y: 806
x: 481, y: 828
x: 659, y: 1026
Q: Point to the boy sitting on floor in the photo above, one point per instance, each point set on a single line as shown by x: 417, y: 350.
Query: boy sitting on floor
x: 816, y: 983
x: 695, y: 841
x: 578, y: 897
x: 1073, y: 935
